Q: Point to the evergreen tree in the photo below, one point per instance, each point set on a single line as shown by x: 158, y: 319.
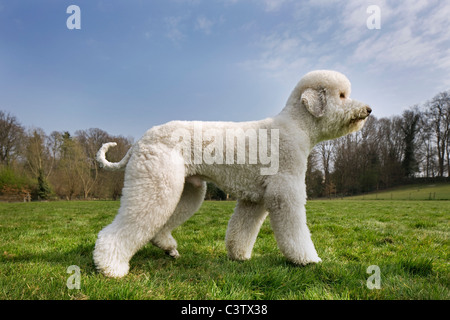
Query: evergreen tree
x: 44, y: 190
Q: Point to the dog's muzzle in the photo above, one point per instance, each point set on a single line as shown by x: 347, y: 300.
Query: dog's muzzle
x: 363, y: 113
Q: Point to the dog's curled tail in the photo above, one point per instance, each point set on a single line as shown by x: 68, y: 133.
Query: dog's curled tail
x: 101, y: 159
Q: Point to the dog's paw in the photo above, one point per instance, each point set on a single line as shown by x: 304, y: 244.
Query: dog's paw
x: 310, y: 257
x: 311, y: 261
x: 173, y: 253
x: 304, y: 260
x: 116, y: 271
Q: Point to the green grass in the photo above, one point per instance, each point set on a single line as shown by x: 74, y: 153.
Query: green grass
x: 432, y: 191
x: 409, y: 241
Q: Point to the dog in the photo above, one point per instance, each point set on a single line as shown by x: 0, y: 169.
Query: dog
x: 167, y: 169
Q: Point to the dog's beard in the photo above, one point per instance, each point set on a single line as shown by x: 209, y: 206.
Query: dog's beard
x: 356, y: 125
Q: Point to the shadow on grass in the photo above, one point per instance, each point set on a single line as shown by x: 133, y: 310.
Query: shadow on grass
x: 80, y: 255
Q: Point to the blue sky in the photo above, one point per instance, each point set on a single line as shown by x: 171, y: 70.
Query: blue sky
x: 135, y: 64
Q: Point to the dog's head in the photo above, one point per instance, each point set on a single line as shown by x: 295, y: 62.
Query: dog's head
x: 324, y: 97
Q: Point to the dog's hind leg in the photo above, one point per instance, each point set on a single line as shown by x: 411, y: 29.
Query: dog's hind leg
x: 243, y: 229
x: 152, y: 188
x: 190, y: 201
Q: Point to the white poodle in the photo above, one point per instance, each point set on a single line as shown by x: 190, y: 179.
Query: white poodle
x: 263, y: 163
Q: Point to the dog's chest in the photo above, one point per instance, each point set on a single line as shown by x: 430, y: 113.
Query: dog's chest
x: 238, y: 180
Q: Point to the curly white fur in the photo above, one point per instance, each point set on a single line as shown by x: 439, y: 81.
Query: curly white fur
x: 101, y: 158
x: 165, y: 181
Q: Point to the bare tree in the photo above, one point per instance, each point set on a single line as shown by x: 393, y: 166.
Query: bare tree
x: 11, y: 135
x: 409, y: 126
x: 90, y: 140
x: 346, y: 164
x: 314, y: 175
x: 325, y: 150
x: 369, y: 156
x: 39, y: 160
x: 72, y: 165
x: 389, y: 139
x: 426, y: 150
x: 36, y: 152
x: 438, y: 115
x: 54, y: 143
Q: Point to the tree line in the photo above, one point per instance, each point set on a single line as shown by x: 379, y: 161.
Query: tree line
x: 56, y: 166
x: 406, y: 148
x: 386, y: 152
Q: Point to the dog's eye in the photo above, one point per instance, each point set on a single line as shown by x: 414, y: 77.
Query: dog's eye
x: 342, y: 95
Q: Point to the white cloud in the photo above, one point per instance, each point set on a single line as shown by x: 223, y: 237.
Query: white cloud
x: 173, y: 28
x: 203, y: 24
x: 274, y: 5
x: 324, y: 26
x: 279, y: 56
x: 268, y: 5
x: 147, y: 35
x: 412, y: 35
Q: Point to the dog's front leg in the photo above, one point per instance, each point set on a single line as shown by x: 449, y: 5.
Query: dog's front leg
x: 243, y: 229
x: 285, y: 201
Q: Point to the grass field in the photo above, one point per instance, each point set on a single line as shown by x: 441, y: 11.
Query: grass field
x: 407, y: 240
x: 432, y: 191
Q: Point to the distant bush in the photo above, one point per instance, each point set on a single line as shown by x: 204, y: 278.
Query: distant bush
x: 13, y: 183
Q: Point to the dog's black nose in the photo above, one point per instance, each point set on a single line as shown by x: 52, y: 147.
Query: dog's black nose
x: 369, y: 110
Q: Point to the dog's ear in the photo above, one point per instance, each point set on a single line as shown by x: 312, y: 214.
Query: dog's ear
x: 314, y: 101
